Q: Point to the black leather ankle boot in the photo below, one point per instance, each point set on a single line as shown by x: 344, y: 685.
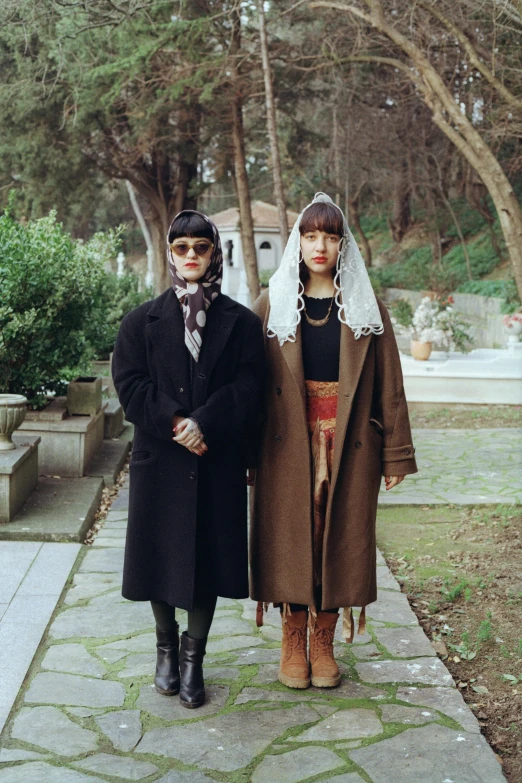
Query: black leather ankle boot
x: 166, y: 679
x: 192, y: 691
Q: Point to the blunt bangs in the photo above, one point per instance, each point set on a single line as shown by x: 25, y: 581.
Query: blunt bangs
x: 190, y: 226
x: 322, y: 217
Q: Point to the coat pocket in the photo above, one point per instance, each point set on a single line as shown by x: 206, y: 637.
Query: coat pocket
x: 142, y: 457
x: 377, y: 426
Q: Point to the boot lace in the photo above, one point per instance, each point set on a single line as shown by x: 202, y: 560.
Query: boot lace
x: 296, y: 638
x: 323, y: 640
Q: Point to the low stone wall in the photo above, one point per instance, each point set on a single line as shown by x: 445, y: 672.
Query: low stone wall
x: 482, y: 312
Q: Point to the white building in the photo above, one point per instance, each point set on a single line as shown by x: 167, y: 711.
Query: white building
x: 269, y: 246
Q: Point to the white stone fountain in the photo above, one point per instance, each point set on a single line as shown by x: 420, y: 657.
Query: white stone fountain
x: 484, y: 376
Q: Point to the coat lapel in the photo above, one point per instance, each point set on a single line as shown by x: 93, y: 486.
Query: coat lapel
x: 351, y: 361
x: 221, y: 319
x: 293, y: 356
x: 166, y: 333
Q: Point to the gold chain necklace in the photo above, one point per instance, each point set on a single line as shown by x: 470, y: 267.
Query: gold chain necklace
x: 320, y: 321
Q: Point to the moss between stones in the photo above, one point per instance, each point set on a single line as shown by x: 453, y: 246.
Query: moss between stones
x: 247, y: 673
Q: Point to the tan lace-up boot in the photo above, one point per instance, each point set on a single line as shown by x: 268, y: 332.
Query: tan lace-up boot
x: 294, y: 670
x: 325, y: 672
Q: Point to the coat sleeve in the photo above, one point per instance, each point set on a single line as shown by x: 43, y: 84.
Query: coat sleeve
x: 390, y: 406
x: 232, y: 411
x: 144, y: 404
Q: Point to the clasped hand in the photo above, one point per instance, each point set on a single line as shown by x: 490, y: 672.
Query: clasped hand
x: 188, y: 434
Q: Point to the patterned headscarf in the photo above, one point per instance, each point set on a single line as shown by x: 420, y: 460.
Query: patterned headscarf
x: 197, y: 297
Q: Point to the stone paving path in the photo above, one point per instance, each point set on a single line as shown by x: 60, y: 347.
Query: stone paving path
x: 32, y: 577
x: 463, y: 467
x: 89, y: 713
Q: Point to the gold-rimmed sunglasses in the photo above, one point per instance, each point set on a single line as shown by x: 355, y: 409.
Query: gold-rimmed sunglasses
x: 200, y: 248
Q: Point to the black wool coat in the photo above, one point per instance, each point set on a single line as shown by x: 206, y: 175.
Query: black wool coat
x: 187, y: 530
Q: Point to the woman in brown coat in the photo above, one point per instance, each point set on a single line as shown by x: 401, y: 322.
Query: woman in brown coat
x: 336, y: 421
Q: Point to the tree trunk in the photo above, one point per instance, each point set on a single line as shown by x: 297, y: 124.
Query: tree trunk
x: 446, y: 114
x: 245, y: 209
x: 173, y: 189
x: 187, y: 175
x: 475, y: 192
x: 149, y: 277
x: 450, y: 209
x: 272, y: 127
x: 336, y: 152
x: 240, y: 170
x: 353, y: 210
x: 400, y: 220
x: 158, y: 228
x: 449, y: 118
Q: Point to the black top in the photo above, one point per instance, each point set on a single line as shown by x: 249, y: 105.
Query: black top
x: 320, y: 344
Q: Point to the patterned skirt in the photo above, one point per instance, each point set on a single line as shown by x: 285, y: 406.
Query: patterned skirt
x: 321, y: 412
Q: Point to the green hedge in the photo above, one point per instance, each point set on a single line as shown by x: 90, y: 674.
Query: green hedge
x: 58, y: 307
x: 115, y: 296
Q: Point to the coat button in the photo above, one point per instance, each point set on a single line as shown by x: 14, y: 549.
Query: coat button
x: 358, y: 444
x: 279, y: 391
x: 192, y: 475
x: 407, y: 452
x: 279, y: 437
x: 181, y: 390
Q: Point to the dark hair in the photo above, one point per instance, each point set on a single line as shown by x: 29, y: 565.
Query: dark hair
x: 322, y: 217
x: 190, y: 225
x: 319, y: 217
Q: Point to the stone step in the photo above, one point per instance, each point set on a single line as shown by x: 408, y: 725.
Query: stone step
x: 56, y: 410
x: 68, y: 445
x: 18, y: 474
x: 113, y: 422
x: 110, y: 458
x: 57, y: 510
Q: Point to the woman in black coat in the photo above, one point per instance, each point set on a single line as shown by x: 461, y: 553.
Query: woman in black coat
x: 188, y: 368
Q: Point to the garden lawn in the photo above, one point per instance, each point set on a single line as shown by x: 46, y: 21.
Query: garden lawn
x: 467, y: 417
x: 461, y: 570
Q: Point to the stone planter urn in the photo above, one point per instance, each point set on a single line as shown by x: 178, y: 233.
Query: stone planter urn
x: 513, y: 327
x: 13, y: 408
x: 84, y: 396
x: 420, y: 351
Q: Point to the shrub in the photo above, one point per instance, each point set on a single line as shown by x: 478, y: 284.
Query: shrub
x: 416, y: 270
x: 48, y: 286
x: 482, y: 258
x: 374, y: 224
x: 114, y: 297
x: 402, y: 311
x: 471, y: 221
x: 412, y: 272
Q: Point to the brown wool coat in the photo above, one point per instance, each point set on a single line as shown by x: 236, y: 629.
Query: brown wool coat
x: 371, y: 398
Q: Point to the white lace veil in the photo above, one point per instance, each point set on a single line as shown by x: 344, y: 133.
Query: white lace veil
x: 357, y: 305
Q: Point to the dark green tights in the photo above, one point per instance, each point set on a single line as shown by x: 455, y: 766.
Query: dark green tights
x: 199, y: 620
